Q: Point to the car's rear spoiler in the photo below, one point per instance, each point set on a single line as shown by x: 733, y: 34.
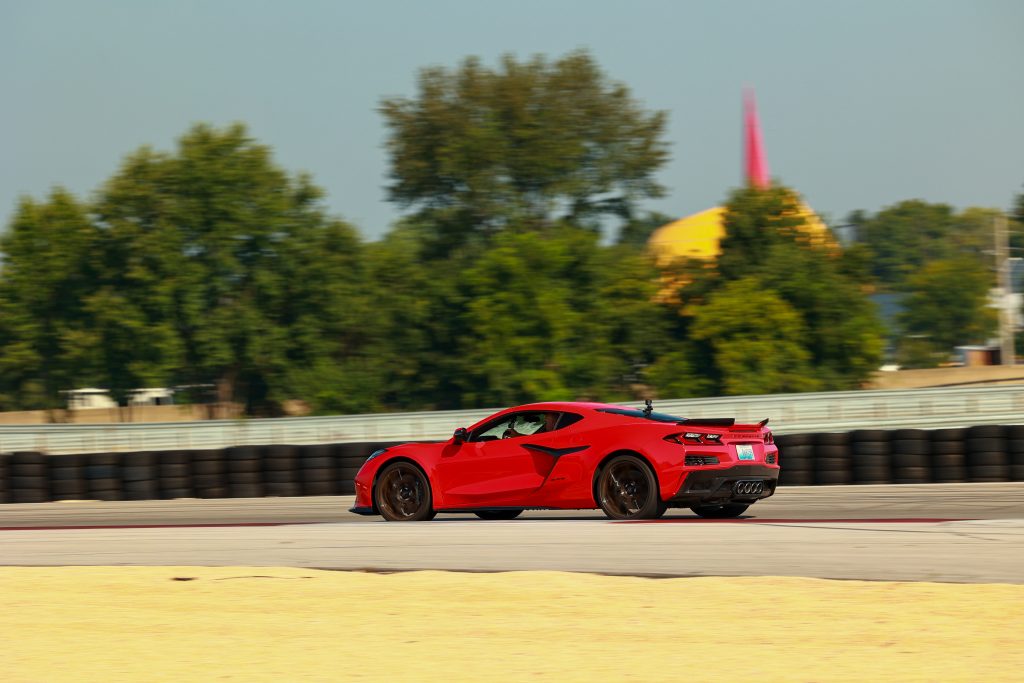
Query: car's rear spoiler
x: 714, y: 422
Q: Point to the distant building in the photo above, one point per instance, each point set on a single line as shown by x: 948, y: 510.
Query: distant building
x: 698, y: 236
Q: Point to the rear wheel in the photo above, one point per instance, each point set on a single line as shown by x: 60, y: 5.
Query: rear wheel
x: 627, y: 489
x: 498, y: 514
x: 403, y: 494
x: 726, y: 511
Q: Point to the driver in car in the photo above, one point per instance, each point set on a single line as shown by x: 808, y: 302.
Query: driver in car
x: 535, y: 423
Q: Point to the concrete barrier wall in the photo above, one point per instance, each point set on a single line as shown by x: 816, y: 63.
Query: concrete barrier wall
x: 982, y: 453
x: 789, y: 413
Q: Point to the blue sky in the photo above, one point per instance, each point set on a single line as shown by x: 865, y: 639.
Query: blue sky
x: 863, y: 103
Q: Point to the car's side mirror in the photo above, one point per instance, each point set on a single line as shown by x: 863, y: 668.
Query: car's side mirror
x: 461, y: 434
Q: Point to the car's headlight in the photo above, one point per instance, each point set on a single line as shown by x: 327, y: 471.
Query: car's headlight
x: 377, y: 452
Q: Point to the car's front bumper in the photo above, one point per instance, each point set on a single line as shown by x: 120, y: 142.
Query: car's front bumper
x: 711, y: 486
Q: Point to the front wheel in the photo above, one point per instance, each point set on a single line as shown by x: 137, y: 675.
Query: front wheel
x: 498, y: 514
x: 627, y: 489
x: 726, y: 511
x: 403, y: 494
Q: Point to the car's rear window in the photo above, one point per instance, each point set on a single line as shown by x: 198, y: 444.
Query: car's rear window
x: 629, y: 412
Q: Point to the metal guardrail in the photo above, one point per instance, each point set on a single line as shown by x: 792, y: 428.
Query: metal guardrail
x: 789, y: 413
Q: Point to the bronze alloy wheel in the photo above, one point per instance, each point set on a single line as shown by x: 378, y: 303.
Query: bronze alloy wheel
x: 627, y: 489
x: 403, y: 494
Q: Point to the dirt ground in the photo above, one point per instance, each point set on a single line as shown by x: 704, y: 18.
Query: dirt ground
x: 261, y: 624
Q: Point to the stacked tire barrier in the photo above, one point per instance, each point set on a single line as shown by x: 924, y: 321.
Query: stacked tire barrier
x: 986, y: 453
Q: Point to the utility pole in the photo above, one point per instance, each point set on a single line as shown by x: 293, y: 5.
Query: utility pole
x: 1006, y: 351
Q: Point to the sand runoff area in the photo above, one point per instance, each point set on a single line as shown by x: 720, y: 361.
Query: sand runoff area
x: 282, y: 624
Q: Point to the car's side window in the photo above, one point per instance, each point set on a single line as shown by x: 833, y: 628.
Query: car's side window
x: 525, y: 423
x: 493, y: 430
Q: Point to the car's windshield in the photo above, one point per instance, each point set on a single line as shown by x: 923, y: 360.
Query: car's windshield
x: 630, y: 412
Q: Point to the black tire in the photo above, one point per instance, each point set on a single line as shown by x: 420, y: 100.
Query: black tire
x: 171, y: 494
x: 726, y: 511
x: 790, y: 440
x: 871, y: 475
x: 281, y: 477
x: 169, y: 470
x: 830, y: 477
x: 949, y: 474
x: 904, y: 460
x: 494, y: 515
x: 831, y: 451
x: 103, y: 459
x: 869, y: 448
x: 138, y: 473
x: 1016, y: 472
x: 986, y: 473
x: 986, y: 459
x: 796, y: 464
x: 869, y: 435
x: 245, y: 478
x: 947, y: 460
x: 319, y: 488
x: 797, y: 451
x: 205, y: 467
x: 314, y: 476
x: 212, y: 492
x: 205, y: 455
x: 346, y: 488
x: 870, y: 461
x: 626, y: 488
x: 907, y: 446
x: 910, y: 435
x: 102, y: 472
x: 944, y: 447
x: 207, y: 481
x: 138, y: 459
x: 26, y: 496
x: 911, y: 475
x: 317, y: 463
x: 402, y: 493
x: 985, y: 445
x: 282, y: 489
x: 788, y: 477
x: 173, y: 458
x: 28, y: 482
x: 66, y: 474
x: 832, y: 439
x: 27, y: 458
x: 832, y: 465
x: 1015, y: 432
x: 246, y: 490
x: 94, y: 485
x: 1015, y: 446
x: 986, y: 432
x: 169, y: 483
x: 279, y: 464
x: 954, y: 434
x: 27, y: 469
x: 244, y: 466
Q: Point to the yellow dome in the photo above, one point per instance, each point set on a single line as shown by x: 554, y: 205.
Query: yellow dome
x: 698, y: 236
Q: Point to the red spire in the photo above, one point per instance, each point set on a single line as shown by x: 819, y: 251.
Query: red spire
x: 755, y: 160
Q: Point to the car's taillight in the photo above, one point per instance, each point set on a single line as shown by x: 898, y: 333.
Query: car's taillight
x: 694, y: 438
x: 769, y: 437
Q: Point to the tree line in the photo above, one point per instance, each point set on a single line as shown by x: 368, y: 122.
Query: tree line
x: 212, y: 266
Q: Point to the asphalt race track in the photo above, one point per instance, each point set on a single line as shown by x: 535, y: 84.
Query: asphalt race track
x: 933, y: 532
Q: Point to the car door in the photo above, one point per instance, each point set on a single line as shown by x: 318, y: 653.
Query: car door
x: 498, y: 472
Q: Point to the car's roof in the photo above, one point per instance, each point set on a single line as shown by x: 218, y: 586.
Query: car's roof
x: 568, y: 405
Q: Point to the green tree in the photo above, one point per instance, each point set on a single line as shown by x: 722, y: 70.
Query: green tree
x: 527, y: 145
x: 48, y: 271
x: 767, y: 239
x: 234, y: 271
x: 946, y: 305
x: 757, y: 340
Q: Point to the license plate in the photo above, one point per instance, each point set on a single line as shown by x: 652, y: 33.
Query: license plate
x: 744, y: 451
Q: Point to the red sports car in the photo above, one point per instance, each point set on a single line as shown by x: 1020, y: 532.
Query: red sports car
x: 633, y: 464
